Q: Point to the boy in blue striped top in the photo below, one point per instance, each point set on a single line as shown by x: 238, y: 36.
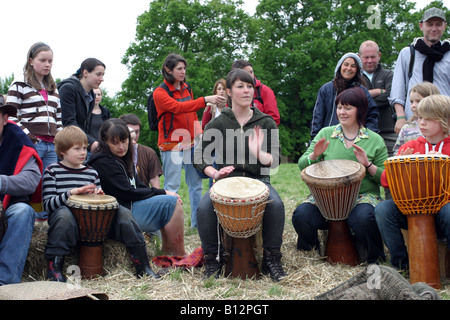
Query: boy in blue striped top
x: 70, y: 176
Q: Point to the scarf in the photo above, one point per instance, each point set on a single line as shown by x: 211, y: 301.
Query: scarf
x: 435, y: 53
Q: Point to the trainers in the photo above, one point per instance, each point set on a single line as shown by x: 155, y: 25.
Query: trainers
x: 54, y: 270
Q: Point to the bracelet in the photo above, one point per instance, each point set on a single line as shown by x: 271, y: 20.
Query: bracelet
x: 311, y: 161
x: 370, y: 164
x: 401, y: 117
x: 381, y: 91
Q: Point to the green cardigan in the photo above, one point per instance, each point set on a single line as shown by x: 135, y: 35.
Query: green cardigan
x: 372, y: 143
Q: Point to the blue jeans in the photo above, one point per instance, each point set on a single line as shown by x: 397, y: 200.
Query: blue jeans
x: 390, y: 221
x: 16, y: 242
x: 173, y: 162
x: 307, y: 220
x: 46, y: 151
x: 153, y: 213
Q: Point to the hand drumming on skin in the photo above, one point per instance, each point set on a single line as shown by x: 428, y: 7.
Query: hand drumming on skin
x: 87, y: 189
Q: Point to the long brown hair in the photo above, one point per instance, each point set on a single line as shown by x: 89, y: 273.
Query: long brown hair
x: 28, y: 71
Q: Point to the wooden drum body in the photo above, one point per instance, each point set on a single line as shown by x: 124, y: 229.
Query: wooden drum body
x: 420, y: 186
x: 335, y: 186
x: 239, y: 204
x: 94, y: 215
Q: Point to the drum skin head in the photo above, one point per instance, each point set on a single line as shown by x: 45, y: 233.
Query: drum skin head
x: 333, y: 173
x: 92, y: 198
x: 239, y: 188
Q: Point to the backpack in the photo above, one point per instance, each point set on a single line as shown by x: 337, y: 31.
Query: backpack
x: 153, y: 118
x: 258, y: 95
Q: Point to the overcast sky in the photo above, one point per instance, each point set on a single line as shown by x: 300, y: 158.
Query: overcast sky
x: 76, y: 30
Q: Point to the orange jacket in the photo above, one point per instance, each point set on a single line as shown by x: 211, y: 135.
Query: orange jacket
x: 185, y: 125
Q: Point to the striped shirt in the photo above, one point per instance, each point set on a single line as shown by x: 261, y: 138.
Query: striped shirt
x: 59, y: 180
x: 36, y: 115
x: 410, y: 131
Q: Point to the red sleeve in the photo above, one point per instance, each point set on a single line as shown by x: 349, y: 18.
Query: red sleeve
x: 270, y: 103
x: 384, y: 181
x: 206, y: 117
x: 165, y: 103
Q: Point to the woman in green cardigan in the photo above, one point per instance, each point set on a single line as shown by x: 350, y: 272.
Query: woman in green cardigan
x: 351, y: 140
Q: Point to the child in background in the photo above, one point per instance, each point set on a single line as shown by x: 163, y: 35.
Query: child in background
x: 70, y: 176
x: 434, y: 121
x: 411, y: 131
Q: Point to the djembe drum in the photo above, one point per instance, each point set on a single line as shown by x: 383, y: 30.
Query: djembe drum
x: 94, y: 215
x: 3, y: 222
x: 420, y: 186
x: 335, y: 185
x: 239, y: 204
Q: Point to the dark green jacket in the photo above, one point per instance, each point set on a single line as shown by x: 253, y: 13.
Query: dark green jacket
x: 224, y: 138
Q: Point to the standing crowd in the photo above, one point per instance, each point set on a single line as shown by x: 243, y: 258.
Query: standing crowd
x: 57, y: 140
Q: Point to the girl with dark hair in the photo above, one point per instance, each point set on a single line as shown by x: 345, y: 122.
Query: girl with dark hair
x: 259, y: 154
x: 154, y: 209
x: 347, y: 74
x: 78, y: 98
x: 178, y: 128
x: 351, y: 140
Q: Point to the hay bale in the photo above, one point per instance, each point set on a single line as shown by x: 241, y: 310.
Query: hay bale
x: 115, y: 255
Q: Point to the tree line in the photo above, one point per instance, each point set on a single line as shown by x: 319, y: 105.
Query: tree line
x: 294, y: 46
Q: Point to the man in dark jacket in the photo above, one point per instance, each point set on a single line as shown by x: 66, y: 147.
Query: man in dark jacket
x: 20, y: 185
x: 378, y: 82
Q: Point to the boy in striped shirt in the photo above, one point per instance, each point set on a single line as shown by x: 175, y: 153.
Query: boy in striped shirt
x: 70, y: 176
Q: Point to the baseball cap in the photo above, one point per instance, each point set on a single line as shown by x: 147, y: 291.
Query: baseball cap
x: 7, y: 108
x: 433, y: 13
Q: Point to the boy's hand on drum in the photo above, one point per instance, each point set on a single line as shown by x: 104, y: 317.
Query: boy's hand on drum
x: 89, y: 188
x: 99, y: 191
x: 407, y: 151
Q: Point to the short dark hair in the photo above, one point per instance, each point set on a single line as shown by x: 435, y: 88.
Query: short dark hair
x: 131, y: 118
x: 238, y: 74
x: 355, y: 97
x: 240, y: 64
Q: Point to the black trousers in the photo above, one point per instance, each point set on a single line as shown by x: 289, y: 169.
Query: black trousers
x: 63, y: 232
x: 272, y: 225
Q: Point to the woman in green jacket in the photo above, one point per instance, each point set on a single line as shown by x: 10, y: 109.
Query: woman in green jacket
x: 351, y: 140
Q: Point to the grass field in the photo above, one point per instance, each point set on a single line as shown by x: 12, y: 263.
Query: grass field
x: 308, y: 273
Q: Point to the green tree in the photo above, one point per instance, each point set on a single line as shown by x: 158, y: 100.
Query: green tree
x: 298, y: 43
x: 207, y: 33
x: 5, y: 83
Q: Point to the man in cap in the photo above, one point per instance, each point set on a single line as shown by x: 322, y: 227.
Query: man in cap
x: 20, y: 185
x: 430, y: 62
